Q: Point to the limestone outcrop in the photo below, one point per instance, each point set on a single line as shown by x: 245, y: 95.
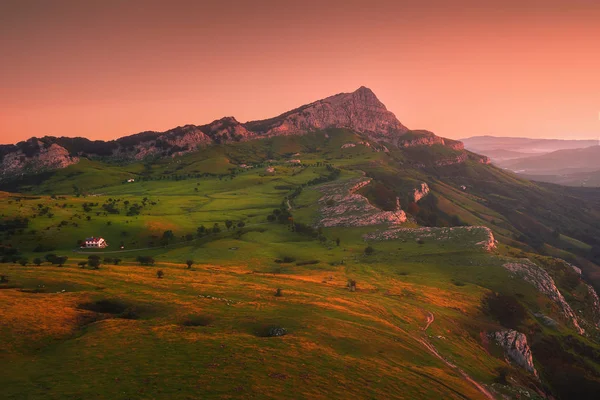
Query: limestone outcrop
x: 516, y: 348
x: 544, y: 283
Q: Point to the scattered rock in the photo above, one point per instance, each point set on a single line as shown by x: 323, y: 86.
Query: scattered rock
x: 277, y: 331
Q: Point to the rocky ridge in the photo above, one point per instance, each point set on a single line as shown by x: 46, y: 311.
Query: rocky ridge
x: 544, y: 283
x: 341, y: 205
x: 359, y: 111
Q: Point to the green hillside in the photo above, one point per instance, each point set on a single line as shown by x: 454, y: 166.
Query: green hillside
x: 249, y: 216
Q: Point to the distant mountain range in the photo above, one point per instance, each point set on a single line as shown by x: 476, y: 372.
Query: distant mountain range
x: 488, y: 144
x: 360, y: 111
x: 566, y: 162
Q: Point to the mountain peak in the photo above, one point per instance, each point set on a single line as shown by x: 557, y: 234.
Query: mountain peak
x: 360, y: 111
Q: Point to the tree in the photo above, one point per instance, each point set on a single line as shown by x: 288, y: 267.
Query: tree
x: 50, y: 258
x: 369, y: 250
x: 167, y: 236
x: 23, y: 261
x: 189, y: 263
x: 160, y: 274
x: 82, y: 264
x: 116, y: 261
x: 216, y: 228
x: 37, y: 261
x: 61, y: 260
x: 278, y: 293
x: 201, y: 231
x: 94, y: 263
x: 145, y: 260
x: 108, y: 260
x: 352, y: 285
x: 241, y: 224
x: 228, y: 224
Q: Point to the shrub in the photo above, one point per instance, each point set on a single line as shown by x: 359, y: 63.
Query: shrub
x: 160, y: 274
x: 37, y: 261
x: 189, y: 263
x: 61, y: 260
x: 507, y: 310
x: 369, y: 250
x: 145, y: 260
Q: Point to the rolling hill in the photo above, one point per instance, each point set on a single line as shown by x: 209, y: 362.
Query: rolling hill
x: 327, y: 251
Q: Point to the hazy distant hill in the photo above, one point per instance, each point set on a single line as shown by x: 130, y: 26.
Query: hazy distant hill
x: 558, y: 162
x: 487, y: 144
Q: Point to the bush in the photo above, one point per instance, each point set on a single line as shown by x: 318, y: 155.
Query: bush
x: 160, y: 274
x: 369, y: 250
x: 61, y: 260
x: 507, y: 310
x: 145, y: 260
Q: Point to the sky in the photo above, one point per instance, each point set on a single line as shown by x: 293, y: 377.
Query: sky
x: 106, y: 69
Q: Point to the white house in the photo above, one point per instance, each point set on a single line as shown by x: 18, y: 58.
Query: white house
x: 95, y: 242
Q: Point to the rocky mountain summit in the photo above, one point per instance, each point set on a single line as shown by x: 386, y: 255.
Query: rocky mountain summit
x: 359, y: 111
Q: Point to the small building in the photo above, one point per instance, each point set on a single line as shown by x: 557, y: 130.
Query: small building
x: 95, y: 242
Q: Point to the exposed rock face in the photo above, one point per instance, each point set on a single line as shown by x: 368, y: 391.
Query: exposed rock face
x: 360, y: 111
x: 425, y: 138
x: 489, y: 243
x: 545, y: 284
x: 420, y: 192
x: 459, y: 159
x: 467, y: 237
x: 516, y: 348
x: 41, y: 157
x: 341, y: 205
x: 595, y: 304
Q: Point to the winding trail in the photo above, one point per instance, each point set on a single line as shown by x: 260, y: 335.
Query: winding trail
x: 433, y: 350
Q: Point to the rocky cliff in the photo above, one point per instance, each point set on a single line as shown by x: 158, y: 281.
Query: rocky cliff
x: 35, y: 156
x: 359, y: 111
x: 516, y: 348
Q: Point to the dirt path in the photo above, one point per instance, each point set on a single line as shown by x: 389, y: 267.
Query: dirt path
x: 430, y: 319
x: 433, y: 350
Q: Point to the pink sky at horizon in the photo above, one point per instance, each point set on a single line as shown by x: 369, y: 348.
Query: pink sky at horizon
x: 107, y: 69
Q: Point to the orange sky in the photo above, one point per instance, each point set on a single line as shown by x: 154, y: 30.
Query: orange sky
x: 105, y: 69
